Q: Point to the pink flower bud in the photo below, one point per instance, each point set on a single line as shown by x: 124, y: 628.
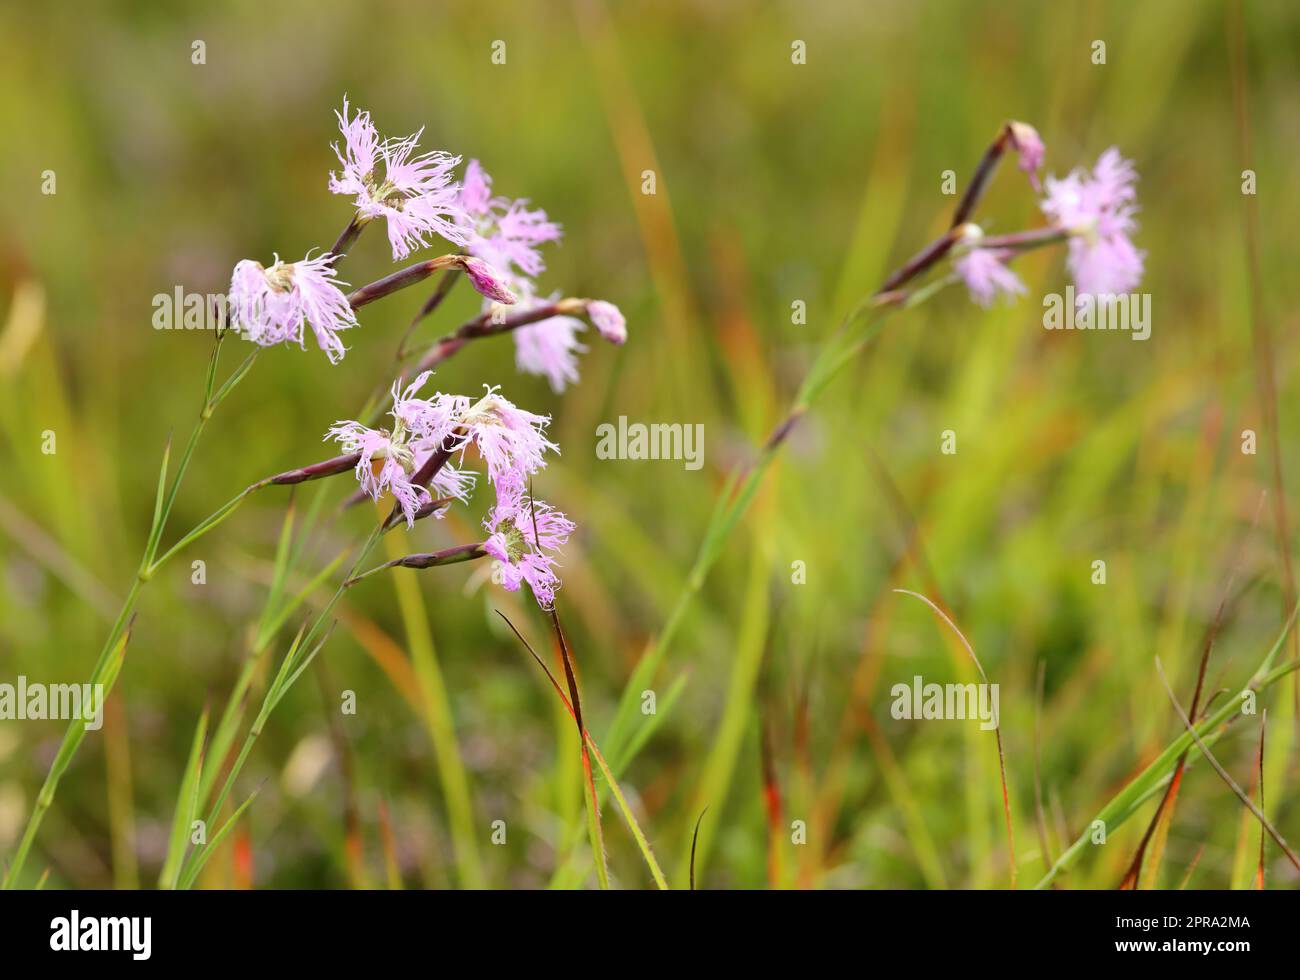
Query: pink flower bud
x: 609, y: 320
x: 487, y: 280
x: 1029, y: 145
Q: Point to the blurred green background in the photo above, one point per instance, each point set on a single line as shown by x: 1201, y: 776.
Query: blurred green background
x: 776, y: 182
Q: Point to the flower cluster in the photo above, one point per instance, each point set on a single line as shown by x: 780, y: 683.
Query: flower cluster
x: 508, y: 234
x: 418, y: 197
x: 512, y: 444
x: 389, y: 457
x: 1094, y: 211
x: 499, y: 242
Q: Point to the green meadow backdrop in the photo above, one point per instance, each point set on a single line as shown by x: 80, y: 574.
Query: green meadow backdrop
x: 776, y: 184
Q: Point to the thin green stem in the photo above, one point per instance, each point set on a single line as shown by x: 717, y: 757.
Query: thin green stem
x: 163, y: 503
x: 1126, y: 802
x: 105, y: 674
x: 290, y: 669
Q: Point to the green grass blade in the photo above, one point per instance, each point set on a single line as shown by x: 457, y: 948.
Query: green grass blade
x: 187, y: 804
x: 188, y: 878
x: 1126, y: 802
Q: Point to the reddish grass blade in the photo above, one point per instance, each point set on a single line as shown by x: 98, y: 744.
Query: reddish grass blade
x: 642, y: 842
x: 1158, y: 828
x: 1223, y: 773
x: 593, y: 804
x: 772, y: 806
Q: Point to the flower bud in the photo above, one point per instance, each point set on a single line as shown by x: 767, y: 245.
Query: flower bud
x: 609, y: 320
x: 1029, y: 145
x: 486, y: 280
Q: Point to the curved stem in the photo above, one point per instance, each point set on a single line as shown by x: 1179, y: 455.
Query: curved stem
x: 402, y: 278
x: 347, y: 236
x: 488, y: 325
x: 448, y: 556
x: 149, y: 562
x: 296, y: 660
x: 163, y: 504
x: 445, y: 284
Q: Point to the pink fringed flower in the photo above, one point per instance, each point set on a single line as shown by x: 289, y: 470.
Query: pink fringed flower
x: 450, y: 481
x: 420, y: 427
x: 476, y: 190
x: 416, y: 194
x: 986, y: 275
x: 510, y: 440
x: 272, y: 305
x: 550, y: 347
x: 522, y: 531
x: 429, y: 420
x: 503, y: 232
x: 508, y: 235
x: 1097, y: 210
x: 385, y: 465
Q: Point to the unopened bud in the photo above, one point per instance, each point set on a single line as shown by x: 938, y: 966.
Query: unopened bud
x: 609, y: 320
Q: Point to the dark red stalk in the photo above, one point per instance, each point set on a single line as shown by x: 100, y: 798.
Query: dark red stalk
x: 398, y: 280
x: 485, y: 325
x: 447, y: 556
x: 983, y: 173
x: 346, y: 237
x: 328, y: 467
x: 921, y: 261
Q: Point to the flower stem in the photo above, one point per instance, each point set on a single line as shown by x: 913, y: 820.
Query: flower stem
x: 149, y: 561
x: 402, y: 278
x: 922, y: 260
x: 483, y: 325
x: 67, y: 749
x: 349, y: 235
x: 163, y: 503
x: 296, y: 660
x: 1024, y: 240
x: 858, y: 329
x: 983, y: 173
x: 487, y: 325
x: 448, y: 556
